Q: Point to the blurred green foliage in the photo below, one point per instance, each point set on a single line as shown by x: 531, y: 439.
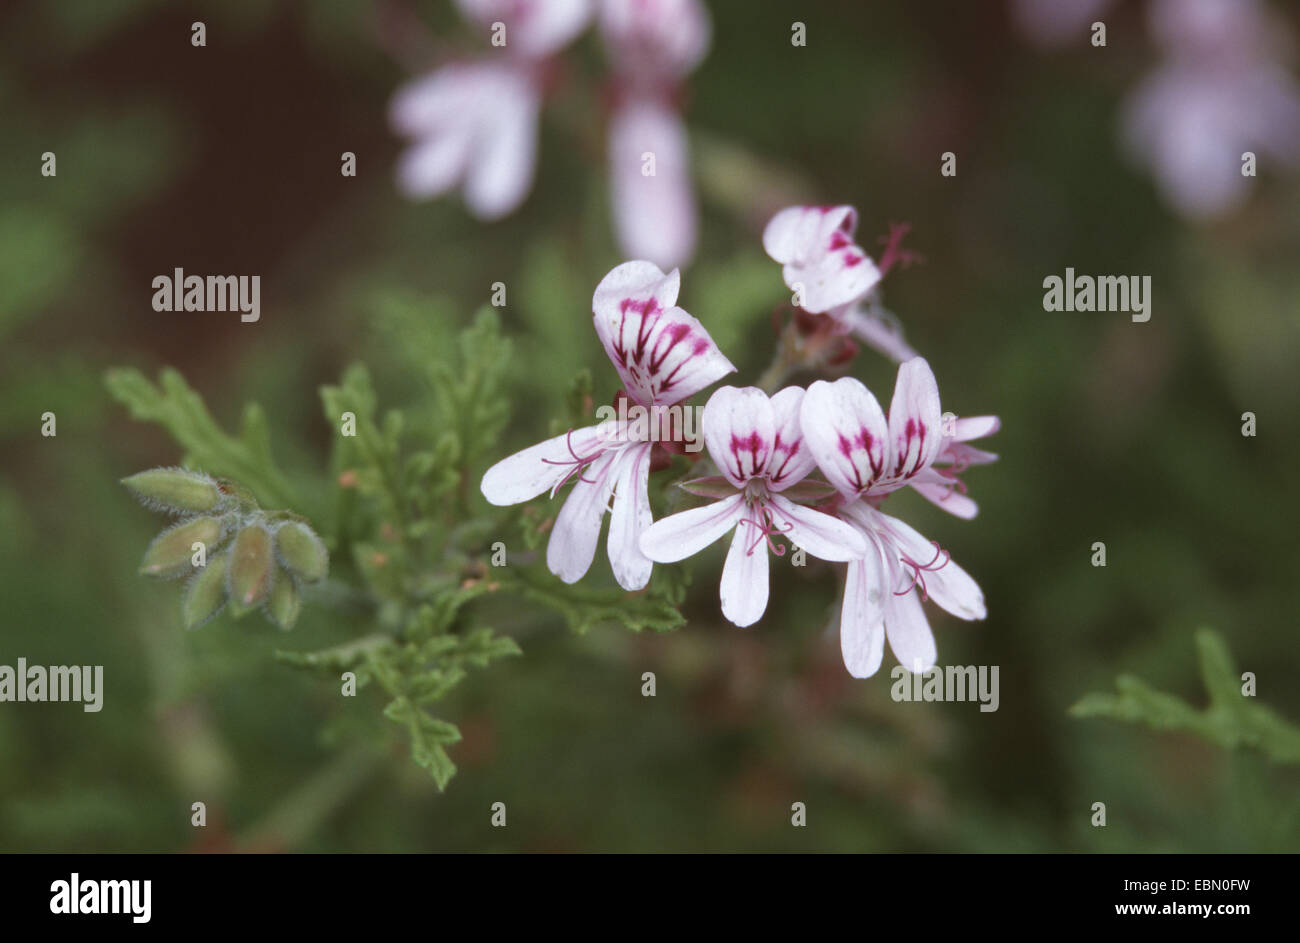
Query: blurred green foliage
x: 1230, y: 721
x: 226, y: 160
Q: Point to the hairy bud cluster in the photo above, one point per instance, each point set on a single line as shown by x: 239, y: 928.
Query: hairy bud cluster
x: 232, y: 551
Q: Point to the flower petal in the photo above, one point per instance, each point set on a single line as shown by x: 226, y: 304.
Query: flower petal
x: 431, y: 102
x: 915, y: 424
x: 975, y: 427
x: 662, y: 354
x: 433, y: 166
x: 533, y: 29
x: 951, y: 587
x: 798, y: 232
x: 739, y: 430
x: 907, y: 629
x: 846, y: 432
x: 433, y: 109
x: 686, y: 533
x: 524, y: 475
x: 862, y: 615
x: 815, y: 246
x: 744, y: 579
x: 944, y: 494
x: 501, y: 172
x: 654, y: 214
x: 876, y: 331
x: 823, y: 536
x: 474, y: 123
x: 791, y: 460
x: 630, y: 518
x: 637, y: 282
x: 652, y: 39
x: 577, y: 527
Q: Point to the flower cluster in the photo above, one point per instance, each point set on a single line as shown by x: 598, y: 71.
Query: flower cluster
x: 663, y: 356
x: 474, y: 123
x: 231, y: 550
x: 767, y: 450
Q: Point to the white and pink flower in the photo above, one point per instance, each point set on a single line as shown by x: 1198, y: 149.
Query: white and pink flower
x: 831, y: 274
x: 866, y: 457
x: 663, y: 356
x: 820, y: 261
x: 757, y: 444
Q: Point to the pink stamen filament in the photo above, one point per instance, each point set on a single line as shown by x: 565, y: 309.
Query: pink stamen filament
x: 954, y: 483
x: 894, y: 253
x: 766, y: 530
x: 579, y: 462
x: 917, y: 568
x: 959, y: 462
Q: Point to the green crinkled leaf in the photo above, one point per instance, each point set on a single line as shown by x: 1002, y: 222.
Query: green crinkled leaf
x: 350, y: 656
x: 480, y: 647
x: 418, y: 674
x: 583, y: 608
x: 670, y: 582
x: 435, y: 617
x: 180, y: 410
x: 429, y: 739
x: 1231, y: 720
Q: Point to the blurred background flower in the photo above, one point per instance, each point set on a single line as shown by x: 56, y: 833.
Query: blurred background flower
x: 1220, y: 93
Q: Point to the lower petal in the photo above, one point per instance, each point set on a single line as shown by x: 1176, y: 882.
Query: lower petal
x: 908, y: 631
x: 951, y: 587
x: 686, y: 533
x: 524, y: 475
x: 577, y: 527
x: 862, y: 616
x: 744, y: 579
x: 501, y: 171
x: 630, y: 518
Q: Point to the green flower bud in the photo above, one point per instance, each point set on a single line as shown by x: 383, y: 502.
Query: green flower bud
x: 252, y: 567
x: 284, y: 603
x: 301, y: 551
x: 171, y: 553
x: 175, y: 489
x: 206, y: 592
